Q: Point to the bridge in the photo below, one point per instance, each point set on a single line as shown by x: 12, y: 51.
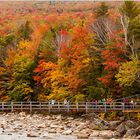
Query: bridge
x: 69, y: 107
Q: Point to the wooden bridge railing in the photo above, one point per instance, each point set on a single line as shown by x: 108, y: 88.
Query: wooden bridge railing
x: 60, y: 107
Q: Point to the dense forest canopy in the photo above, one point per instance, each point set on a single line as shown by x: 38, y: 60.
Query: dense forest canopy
x: 74, y: 50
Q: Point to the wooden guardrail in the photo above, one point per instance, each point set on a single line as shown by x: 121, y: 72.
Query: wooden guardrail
x: 70, y: 107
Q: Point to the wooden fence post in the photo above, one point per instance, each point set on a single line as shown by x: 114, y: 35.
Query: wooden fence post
x: 30, y: 107
x: 58, y: 107
x: 105, y: 106
x: 21, y: 106
x: 11, y: 106
x: 123, y: 106
x: 77, y: 106
x: 49, y: 107
x: 86, y: 107
x: 68, y: 107
x: 40, y: 106
x: 2, y: 106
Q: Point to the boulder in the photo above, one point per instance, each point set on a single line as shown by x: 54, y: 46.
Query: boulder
x: 22, y: 114
x: 75, y: 132
x: 138, y: 137
x: 70, y: 118
x: 122, y: 118
x: 82, y: 136
x: 121, y: 128
x: 95, y: 133
x: 52, y: 131
x: 81, y: 127
x: 31, y: 134
x: 54, y: 126
x: 59, y: 130
x: 114, y: 124
x: 41, y: 125
x: 138, y: 130
x: 67, y: 132
x: 94, y: 126
x: 117, y: 134
x: 59, y: 117
x: 131, y: 133
x: 48, y: 117
x: 131, y: 124
x: 106, y: 134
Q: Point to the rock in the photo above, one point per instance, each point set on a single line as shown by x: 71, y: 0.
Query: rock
x: 59, y: 117
x: 106, y: 134
x: 67, y: 132
x: 70, y: 118
x: 138, y: 130
x: 122, y: 118
x: 94, y: 126
x: 95, y: 133
x: 52, y: 131
x: 53, y: 117
x: 121, y: 128
x: 86, y: 131
x: 75, y: 132
x: 131, y: 133
x: 31, y: 134
x: 54, y: 126
x: 138, y: 137
x: 81, y: 126
x: 23, y: 114
x: 125, y: 126
x: 83, y: 136
x: 41, y: 125
x: 130, y: 124
x: 117, y: 134
x: 114, y: 124
x: 48, y: 118
x: 59, y: 130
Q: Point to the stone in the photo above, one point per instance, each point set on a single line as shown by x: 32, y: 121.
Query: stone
x: 121, y: 128
x: 95, y: 133
x: 59, y: 117
x: 54, y: 126
x: 138, y: 130
x: 41, y: 125
x: 48, y: 118
x: 70, y: 118
x: 83, y: 136
x: 23, y: 114
x: 117, y: 134
x: 93, y: 126
x: 67, y: 132
x: 138, y: 137
x: 86, y: 130
x: 114, y: 124
x: 106, y: 134
x: 130, y: 124
x: 52, y: 131
x: 131, y: 133
x: 59, y: 130
x: 30, y: 134
x: 122, y: 118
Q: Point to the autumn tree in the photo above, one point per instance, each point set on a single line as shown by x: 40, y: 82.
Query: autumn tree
x: 25, y: 31
x: 113, y: 56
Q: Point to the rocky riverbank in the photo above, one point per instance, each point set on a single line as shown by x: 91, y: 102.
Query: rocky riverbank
x: 40, y: 126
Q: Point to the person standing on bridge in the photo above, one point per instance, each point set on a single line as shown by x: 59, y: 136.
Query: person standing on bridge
x: 65, y: 103
x: 132, y: 104
x: 108, y: 101
x: 104, y: 101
